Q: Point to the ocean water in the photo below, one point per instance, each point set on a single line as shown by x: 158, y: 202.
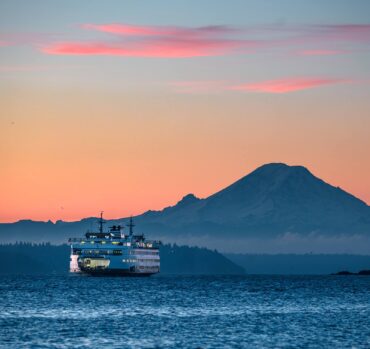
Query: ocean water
x: 185, y: 312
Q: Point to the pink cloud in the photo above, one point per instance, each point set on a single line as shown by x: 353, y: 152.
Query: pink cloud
x: 180, y: 42
x: 269, y: 86
x: 287, y: 85
x: 160, y: 48
x: 135, y: 30
x: 153, y: 41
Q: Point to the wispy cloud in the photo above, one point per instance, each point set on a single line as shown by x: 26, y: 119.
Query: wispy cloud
x: 181, y: 42
x: 287, y: 85
x: 278, y: 86
x: 160, y: 48
x: 154, y: 41
x: 136, y: 30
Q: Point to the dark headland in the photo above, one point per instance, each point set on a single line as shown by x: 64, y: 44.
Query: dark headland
x: 361, y: 272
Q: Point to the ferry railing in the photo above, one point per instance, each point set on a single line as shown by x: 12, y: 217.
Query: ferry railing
x: 147, y: 245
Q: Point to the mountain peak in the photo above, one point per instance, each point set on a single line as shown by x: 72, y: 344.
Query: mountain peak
x: 280, y: 166
x: 272, y: 165
x: 280, y: 195
x: 266, y: 177
x: 188, y: 199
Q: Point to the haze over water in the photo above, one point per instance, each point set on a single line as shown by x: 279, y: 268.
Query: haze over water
x: 184, y: 312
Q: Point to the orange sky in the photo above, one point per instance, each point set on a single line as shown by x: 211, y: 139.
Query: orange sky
x: 112, y: 107
x: 67, y: 154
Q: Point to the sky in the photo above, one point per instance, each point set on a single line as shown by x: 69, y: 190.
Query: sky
x: 126, y: 106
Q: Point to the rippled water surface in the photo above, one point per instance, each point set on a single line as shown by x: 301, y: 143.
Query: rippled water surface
x: 185, y: 312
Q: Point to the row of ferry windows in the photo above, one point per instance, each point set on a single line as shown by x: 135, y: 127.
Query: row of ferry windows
x: 104, y: 252
x: 149, y: 268
x: 78, y: 251
x: 109, y: 242
x: 144, y: 252
x: 119, y: 243
x: 139, y: 260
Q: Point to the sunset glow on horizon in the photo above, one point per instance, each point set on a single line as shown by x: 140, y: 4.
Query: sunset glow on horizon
x: 124, y: 110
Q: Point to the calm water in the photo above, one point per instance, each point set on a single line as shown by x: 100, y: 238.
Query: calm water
x: 185, y: 312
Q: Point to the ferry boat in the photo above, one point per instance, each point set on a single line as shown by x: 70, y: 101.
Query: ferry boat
x: 114, y: 253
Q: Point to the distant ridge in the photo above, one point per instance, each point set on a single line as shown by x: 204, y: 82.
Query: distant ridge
x: 273, y: 200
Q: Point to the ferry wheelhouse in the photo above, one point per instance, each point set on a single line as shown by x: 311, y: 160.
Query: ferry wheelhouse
x: 114, y: 253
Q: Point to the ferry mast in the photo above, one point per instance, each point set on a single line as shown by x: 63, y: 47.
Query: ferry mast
x: 131, y: 226
x: 101, y: 222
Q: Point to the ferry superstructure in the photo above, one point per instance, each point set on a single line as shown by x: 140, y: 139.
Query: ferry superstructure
x: 114, y: 253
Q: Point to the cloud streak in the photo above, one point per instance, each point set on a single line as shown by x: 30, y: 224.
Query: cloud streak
x: 135, y: 30
x: 184, y: 42
x: 154, y: 41
x: 159, y: 48
x: 279, y: 86
x: 287, y: 85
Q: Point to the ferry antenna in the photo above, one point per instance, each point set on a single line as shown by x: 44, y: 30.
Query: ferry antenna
x: 131, y: 226
x: 101, y: 222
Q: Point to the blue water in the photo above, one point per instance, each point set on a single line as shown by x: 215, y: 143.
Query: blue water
x: 185, y: 312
